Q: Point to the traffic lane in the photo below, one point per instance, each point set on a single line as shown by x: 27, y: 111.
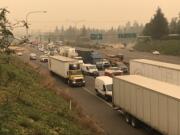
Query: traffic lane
x: 137, y: 55
x: 114, y: 119
x: 111, y: 121
x: 142, y: 55
x: 26, y: 56
x: 90, y: 83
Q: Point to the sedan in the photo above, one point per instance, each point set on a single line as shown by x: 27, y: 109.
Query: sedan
x: 113, y: 71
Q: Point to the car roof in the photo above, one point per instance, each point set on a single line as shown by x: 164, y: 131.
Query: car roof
x: 106, y: 79
x: 88, y: 65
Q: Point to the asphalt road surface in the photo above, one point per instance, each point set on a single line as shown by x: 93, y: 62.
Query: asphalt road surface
x: 110, y: 120
x: 128, y: 55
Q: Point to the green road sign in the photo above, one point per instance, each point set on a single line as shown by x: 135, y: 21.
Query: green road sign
x: 96, y: 36
x: 127, y: 35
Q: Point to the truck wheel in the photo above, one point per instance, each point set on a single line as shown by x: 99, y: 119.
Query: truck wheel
x: 83, y: 72
x: 106, y: 98
x: 127, y: 118
x: 134, y: 123
x: 69, y: 82
x: 97, y: 93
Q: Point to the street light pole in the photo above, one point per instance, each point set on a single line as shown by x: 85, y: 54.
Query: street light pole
x: 27, y: 15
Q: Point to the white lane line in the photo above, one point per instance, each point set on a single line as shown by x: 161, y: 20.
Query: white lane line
x: 87, y: 90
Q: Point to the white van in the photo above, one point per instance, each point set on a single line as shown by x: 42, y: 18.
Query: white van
x: 32, y: 56
x: 103, y: 86
x: 89, y: 69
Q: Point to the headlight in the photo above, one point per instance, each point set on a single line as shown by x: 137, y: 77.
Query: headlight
x: 84, y: 81
x: 74, y: 81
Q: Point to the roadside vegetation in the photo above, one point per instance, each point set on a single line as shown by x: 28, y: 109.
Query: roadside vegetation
x: 168, y: 47
x: 30, y: 107
x: 159, y: 35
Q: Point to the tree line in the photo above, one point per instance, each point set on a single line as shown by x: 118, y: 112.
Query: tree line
x: 159, y: 28
x: 74, y: 33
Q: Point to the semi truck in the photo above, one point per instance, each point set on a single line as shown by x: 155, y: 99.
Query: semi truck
x: 94, y: 57
x: 149, y: 102
x: 67, y: 68
x: 162, y: 71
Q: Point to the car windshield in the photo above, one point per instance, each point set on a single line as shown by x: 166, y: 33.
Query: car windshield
x: 114, y: 68
x: 78, y: 58
x: 76, y: 72
x: 44, y: 56
x: 98, y: 61
x: 92, y: 67
x: 105, y: 60
x: 109, y: 87
x: 117, y: 74
x: 33, y: 54
x: 74, y: 66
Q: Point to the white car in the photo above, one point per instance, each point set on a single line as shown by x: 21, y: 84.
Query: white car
x: 32, y: 56
x: 19, y: 54
x: 44, y: 58
x: 156, y: 53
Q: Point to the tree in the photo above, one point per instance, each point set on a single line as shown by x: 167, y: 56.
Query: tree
x: 6, y: 35
x: 173, y: 26
x: 178, y: 24
x: 147, y: 29
x: 83, y: 31
x: 158, y: 26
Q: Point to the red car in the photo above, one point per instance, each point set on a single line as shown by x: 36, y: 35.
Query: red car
x: 113, y: 71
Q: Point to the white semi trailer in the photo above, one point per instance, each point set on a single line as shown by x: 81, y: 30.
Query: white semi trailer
x: 149, y: 101
x: 67, y: 68
x: 68, y: 51
x: 162, y: 71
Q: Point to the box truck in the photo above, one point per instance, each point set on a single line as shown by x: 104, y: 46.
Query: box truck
x: 162, y: 71
x: 67, y: 68
x: 68, y: 51
x: 148, y: 101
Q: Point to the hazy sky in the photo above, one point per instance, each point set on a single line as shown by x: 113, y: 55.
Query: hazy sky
x: 94, y: 13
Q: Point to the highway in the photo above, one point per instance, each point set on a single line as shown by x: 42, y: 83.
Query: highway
x: 137, y: 55
x: 142, y: 55
x: 95, y: 107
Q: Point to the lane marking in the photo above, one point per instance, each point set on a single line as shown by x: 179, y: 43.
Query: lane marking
x: 87, y: 90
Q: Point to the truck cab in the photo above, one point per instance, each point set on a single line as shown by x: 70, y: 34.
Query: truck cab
x: 89, y: 69
x: 80, y: 59
x: 103, y: 87
x: 76, y: 77
x: 106, y: 63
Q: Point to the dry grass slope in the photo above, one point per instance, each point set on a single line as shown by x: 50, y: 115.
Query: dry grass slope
x: 32, y: 105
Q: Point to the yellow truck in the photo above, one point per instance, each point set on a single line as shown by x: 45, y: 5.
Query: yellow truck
x: 67, y: 68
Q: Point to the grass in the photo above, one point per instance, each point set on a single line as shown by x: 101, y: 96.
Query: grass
x: 168, y: 47
x: 27, y: 107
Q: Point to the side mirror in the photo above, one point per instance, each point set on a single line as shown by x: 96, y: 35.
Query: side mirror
x: 104, y: 88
